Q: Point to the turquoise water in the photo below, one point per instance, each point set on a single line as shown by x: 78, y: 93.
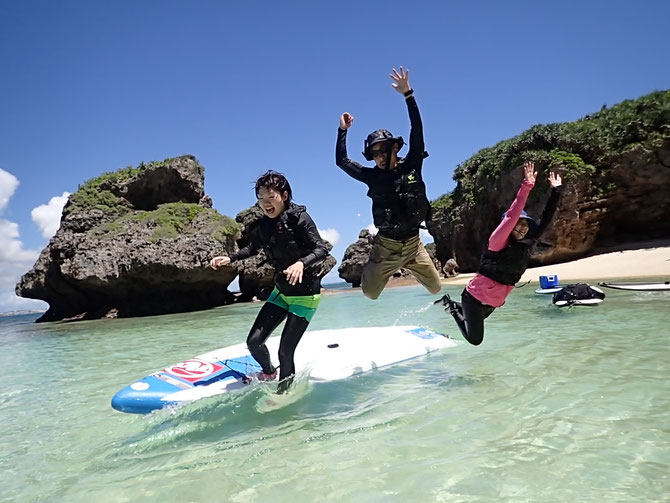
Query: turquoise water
x: 556, y: 405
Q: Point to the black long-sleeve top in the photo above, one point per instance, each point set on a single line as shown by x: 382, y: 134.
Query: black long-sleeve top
x: 399, y: 202
x: 549, y: 211
x: 290, y: 237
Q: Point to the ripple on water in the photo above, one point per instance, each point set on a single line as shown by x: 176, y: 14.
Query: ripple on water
x: 556, y: 405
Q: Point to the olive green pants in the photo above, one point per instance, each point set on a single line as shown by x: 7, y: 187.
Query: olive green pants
x: 388, y: 255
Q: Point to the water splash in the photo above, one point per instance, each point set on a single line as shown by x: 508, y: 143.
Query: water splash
x: 271, y: 401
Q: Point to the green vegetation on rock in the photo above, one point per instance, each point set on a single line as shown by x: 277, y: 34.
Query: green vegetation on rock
x: 95, y: 193
x: 174, y: 215
x: 169, y: 220
x: 580, y: 149
x: 228, y: 229
x: 90, y: 197
x: 98, y: 192
x: 443, y: 203
x: 172, y: 219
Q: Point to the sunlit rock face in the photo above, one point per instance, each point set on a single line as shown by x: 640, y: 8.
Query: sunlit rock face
x: 135, y: 242
x: 616, y: 180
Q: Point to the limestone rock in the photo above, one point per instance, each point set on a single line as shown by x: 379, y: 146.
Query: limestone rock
x: 135, y: 242
x: 635, y: 207
x: 450, y: 269
x: 355, y: 257
x: 616, y: 179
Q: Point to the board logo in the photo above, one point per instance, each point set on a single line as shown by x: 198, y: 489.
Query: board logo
x: 193, y: 370
x: 423, y: 333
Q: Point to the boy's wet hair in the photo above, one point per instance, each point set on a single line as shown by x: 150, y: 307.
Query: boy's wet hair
x: 274, y: 180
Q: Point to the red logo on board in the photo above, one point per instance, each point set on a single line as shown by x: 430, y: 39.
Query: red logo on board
x: 193, y: 370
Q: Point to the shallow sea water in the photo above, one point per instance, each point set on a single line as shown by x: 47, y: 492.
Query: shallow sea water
x: 555, y: 405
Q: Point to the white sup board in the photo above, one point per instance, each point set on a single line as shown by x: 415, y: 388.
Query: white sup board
x: 552, y: 289
x: 639, y: 287
x: 325, y: 355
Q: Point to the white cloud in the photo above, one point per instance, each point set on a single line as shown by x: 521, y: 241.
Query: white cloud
x: 425, y: 236
x: 8, y: 184
x: 15, y: 260
x: 11, y: 249
x: 373, y: 230
x: 330, y: 235
x: 9, y: 302
x: 47, y: 216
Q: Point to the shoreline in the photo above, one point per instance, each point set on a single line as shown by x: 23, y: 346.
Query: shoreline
x: 649, y: 260
x: 644, y: 262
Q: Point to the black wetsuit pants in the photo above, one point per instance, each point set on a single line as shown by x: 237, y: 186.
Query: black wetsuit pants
x: 269, y: 318
x: 470, y: 316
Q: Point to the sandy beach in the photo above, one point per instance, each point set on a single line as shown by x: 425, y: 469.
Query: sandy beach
x: 650, y: 261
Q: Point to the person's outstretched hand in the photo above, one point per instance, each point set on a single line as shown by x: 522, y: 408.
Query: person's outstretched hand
x: 294, y: 272
x: 219, y: 261
x: 401, y: 80
x: 554, y: 179
x: 346, y: 120
x: 529, y: 172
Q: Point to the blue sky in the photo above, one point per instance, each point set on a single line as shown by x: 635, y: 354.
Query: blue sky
x: 92, y: 86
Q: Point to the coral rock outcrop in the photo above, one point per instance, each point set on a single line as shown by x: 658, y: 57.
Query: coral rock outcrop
x: 135, y: 242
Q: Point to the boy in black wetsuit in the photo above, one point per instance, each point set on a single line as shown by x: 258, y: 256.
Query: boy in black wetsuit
x: 399, y: 202
x: 293, y: 245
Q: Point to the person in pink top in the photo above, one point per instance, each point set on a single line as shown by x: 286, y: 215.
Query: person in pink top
x: 504, y: 261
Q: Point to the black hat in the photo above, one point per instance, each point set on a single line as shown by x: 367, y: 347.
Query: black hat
x: 379, y: 136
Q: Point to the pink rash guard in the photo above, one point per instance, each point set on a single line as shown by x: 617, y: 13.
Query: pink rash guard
x: 486, y: 290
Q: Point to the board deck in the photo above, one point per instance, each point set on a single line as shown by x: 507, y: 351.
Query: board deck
x: 326, y: 355
x: 553, y: 289
x: 639, y: 287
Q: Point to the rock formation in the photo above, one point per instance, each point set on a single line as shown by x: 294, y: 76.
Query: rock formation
x: 450, y: 269
x: 616, y: 172
x: 135, y: 242
x: 355, y: 257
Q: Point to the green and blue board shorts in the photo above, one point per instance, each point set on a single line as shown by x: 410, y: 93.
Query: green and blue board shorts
x: 299, y: 305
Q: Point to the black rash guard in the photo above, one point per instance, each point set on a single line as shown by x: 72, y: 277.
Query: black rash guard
x: 290, y: 237
x: 399, y: 202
